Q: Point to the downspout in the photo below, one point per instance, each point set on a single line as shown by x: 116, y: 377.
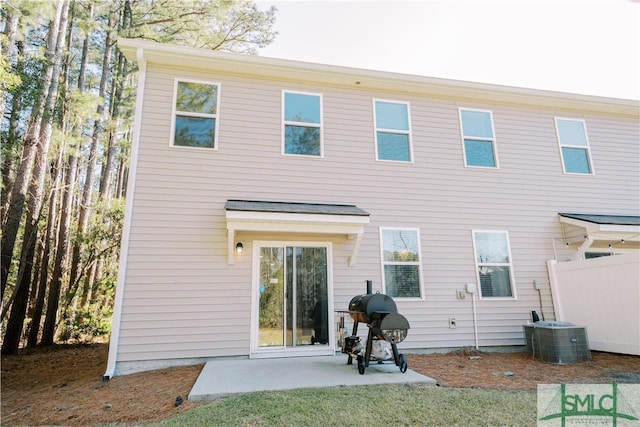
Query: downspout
x: 471, y: 289
x: 126, y: 231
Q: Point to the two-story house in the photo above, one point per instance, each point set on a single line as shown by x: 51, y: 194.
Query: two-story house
x: 263, y: 193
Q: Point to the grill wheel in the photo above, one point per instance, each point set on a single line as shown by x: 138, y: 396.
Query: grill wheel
x: 403, y: 363
x: 361, y: 365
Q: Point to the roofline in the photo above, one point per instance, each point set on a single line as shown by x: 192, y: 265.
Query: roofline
x: 356, y: 78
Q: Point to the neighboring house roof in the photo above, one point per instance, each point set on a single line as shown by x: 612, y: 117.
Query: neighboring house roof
x: 605, y: 219
x: 253, y: 66
x: 289, y: 207
x: 300, y: 218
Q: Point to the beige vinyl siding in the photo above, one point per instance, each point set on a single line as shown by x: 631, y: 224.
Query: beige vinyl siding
x: 182, y: 299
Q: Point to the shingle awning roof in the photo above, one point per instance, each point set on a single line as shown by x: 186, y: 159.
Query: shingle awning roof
x: 291, y: 217
x: 604, y: 219
x: 605, y: 228
x: 288, y: 207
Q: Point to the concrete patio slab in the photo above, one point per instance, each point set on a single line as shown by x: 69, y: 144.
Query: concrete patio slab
x: 224, y: 377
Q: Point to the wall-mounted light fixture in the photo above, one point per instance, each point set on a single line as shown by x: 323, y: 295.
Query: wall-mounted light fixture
x: 239, y: 248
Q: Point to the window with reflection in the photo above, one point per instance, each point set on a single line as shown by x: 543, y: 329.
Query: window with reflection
x: 478, y: 138
x: 401, y: 262
x: 393, y: 134
x: 493, y: 264
x: 574, y: 146
x: 302, y: 121
x: 195, y: 114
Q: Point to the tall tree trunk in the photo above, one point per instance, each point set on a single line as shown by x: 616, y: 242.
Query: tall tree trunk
x: 121, y: 188
x: 21, y: 183
x: 87, y: 191
x: 117, y: 91
x: 13, y: 333
x: 59, y: 265
x: 10, y: 33
x: 7, y: 163
x: 43, y: 277
x: 87, y: 285
x: 93, y: 297
x: 108, y: 167
x: 34, y: 203
x: 63, y: 232
x: 9, y: 158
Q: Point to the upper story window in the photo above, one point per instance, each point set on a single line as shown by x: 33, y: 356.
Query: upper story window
x: 393, y: 132
x: 401, y: 262
x: 493, y: 264
x: 195, y: 118
x: 302, y: 118
x: 478, y: 138
x: 574, y: 145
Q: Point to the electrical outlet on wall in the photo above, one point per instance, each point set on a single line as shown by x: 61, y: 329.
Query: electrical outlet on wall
x: 461, y: 294
x: 452, y: 322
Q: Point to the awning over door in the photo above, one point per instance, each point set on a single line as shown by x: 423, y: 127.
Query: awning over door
x: 605, y: 227
x: 601, y: 230
x: 287, y: 217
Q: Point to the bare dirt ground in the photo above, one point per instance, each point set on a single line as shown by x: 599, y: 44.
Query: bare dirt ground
x: 63, y: 385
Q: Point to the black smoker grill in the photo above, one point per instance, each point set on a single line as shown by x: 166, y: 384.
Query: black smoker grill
x: 380, y: 313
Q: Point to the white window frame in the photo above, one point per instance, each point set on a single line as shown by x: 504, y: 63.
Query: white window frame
x: 581, y: 147
x: 383, y: 263
x: 175, y: 112
x: 497, y: 264
x: 408, y: 132
x: 258, y: 352
x: 494, y: 145
x: 286, y: 123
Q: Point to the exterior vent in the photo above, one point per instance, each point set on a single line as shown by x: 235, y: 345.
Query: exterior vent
x: 560, y: 343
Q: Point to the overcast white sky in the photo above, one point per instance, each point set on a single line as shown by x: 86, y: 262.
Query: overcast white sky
x: 580, y: 46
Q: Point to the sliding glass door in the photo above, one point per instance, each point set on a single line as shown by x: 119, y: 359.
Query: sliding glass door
x: 293, y: 296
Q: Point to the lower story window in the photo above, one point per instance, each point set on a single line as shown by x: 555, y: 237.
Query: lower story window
x: 493, y: 264
x: 401, y: 262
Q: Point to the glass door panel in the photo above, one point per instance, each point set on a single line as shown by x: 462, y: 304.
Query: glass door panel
x: 271, y: 306
x: 311, y: 305
x: 293, y: 297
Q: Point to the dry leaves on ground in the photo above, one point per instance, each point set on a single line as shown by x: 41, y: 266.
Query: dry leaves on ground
x: 520, y: 371
x: 63, y: 385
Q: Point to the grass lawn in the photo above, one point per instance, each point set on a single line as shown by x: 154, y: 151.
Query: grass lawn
x: 392, y: 405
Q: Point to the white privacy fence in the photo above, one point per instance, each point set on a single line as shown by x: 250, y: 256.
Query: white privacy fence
x: 602, y: 294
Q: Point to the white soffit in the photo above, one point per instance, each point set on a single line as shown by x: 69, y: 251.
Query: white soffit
x: 605, y: 227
